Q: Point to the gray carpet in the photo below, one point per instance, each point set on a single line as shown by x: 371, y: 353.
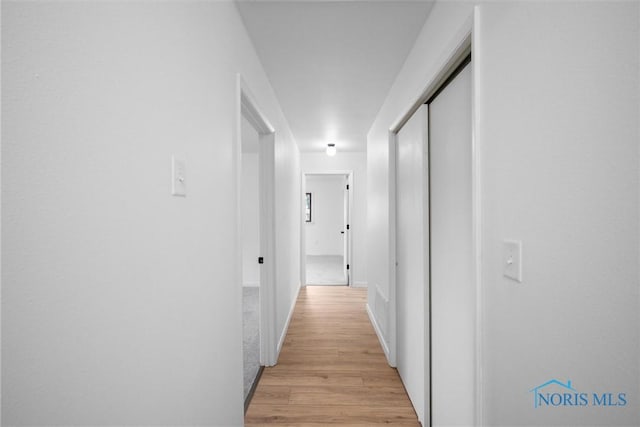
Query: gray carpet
x: 325, y: 270
x: 251, y: 336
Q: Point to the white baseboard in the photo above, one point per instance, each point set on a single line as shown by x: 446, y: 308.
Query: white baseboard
x: 359, y: 285
x: 251, y: 285
x: 326, y: 284
x: 376, y: 328
x: 286, y: 324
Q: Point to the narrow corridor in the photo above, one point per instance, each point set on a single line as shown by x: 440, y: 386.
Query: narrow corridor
x: 332, y: 369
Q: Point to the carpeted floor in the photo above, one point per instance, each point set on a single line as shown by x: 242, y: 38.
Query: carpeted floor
x: 325, y: 270
x: 251, y: 335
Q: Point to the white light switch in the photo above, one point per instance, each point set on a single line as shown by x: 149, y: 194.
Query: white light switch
x: 512, y: 259
x: 178, y: 177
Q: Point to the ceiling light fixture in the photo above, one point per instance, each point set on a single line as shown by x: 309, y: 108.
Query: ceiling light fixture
x: 331, y: 149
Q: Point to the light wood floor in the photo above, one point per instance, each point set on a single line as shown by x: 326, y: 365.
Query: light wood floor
x: 331, y: 369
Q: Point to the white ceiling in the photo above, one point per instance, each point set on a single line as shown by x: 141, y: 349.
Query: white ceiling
x: 332, y: 63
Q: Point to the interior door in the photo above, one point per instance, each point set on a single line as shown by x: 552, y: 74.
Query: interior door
x: 452, y: 291
x: 347, y: 231
x: 411, y: 257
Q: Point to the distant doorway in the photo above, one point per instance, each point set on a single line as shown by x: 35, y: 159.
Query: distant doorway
x: 326, y: 228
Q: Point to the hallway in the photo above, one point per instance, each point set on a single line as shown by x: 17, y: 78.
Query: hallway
x: 331, y: 369
x: 129, y: 209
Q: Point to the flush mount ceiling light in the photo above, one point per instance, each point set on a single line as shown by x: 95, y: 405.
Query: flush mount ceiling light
x: 331, y: 149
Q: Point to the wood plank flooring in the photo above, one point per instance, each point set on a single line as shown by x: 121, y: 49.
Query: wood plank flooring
x: 331, y: 370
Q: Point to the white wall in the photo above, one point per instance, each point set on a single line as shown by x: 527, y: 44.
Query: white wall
x: 120, y: 303
x: 287, y: 227
x: 327, y: 214
x: 356, y: 162
x: 578, y: 160
x: 556, y: 89
x: 250, y: 220
x: 443, y: 23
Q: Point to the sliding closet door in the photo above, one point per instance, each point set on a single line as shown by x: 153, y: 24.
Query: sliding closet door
x: 412, y: 257
x: 452, y: 291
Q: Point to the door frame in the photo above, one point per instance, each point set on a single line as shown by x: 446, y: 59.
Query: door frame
x: 303, y: 228
x: 457, y: 51
x: 247, y: 107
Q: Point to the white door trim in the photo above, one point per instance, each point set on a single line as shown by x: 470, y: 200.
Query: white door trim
x: 247, y: 107
x: 456, y: 51
x: 303, y: 230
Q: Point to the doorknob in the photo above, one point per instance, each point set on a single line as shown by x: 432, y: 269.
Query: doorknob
x: 342, y: 232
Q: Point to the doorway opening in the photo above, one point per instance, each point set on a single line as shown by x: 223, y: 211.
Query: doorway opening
x: 250, y: 230
x: 255, y: 161
x: 326, y: 228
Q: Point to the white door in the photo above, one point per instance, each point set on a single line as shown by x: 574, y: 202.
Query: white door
x: 452, y: 291
x: 411, y: 257
x: 346, y: 237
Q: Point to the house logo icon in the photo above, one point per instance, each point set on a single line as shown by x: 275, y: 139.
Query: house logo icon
x: 565, y: 392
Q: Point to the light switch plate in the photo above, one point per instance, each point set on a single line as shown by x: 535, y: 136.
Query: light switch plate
x: 512, y: 259
x: 178, y: 177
